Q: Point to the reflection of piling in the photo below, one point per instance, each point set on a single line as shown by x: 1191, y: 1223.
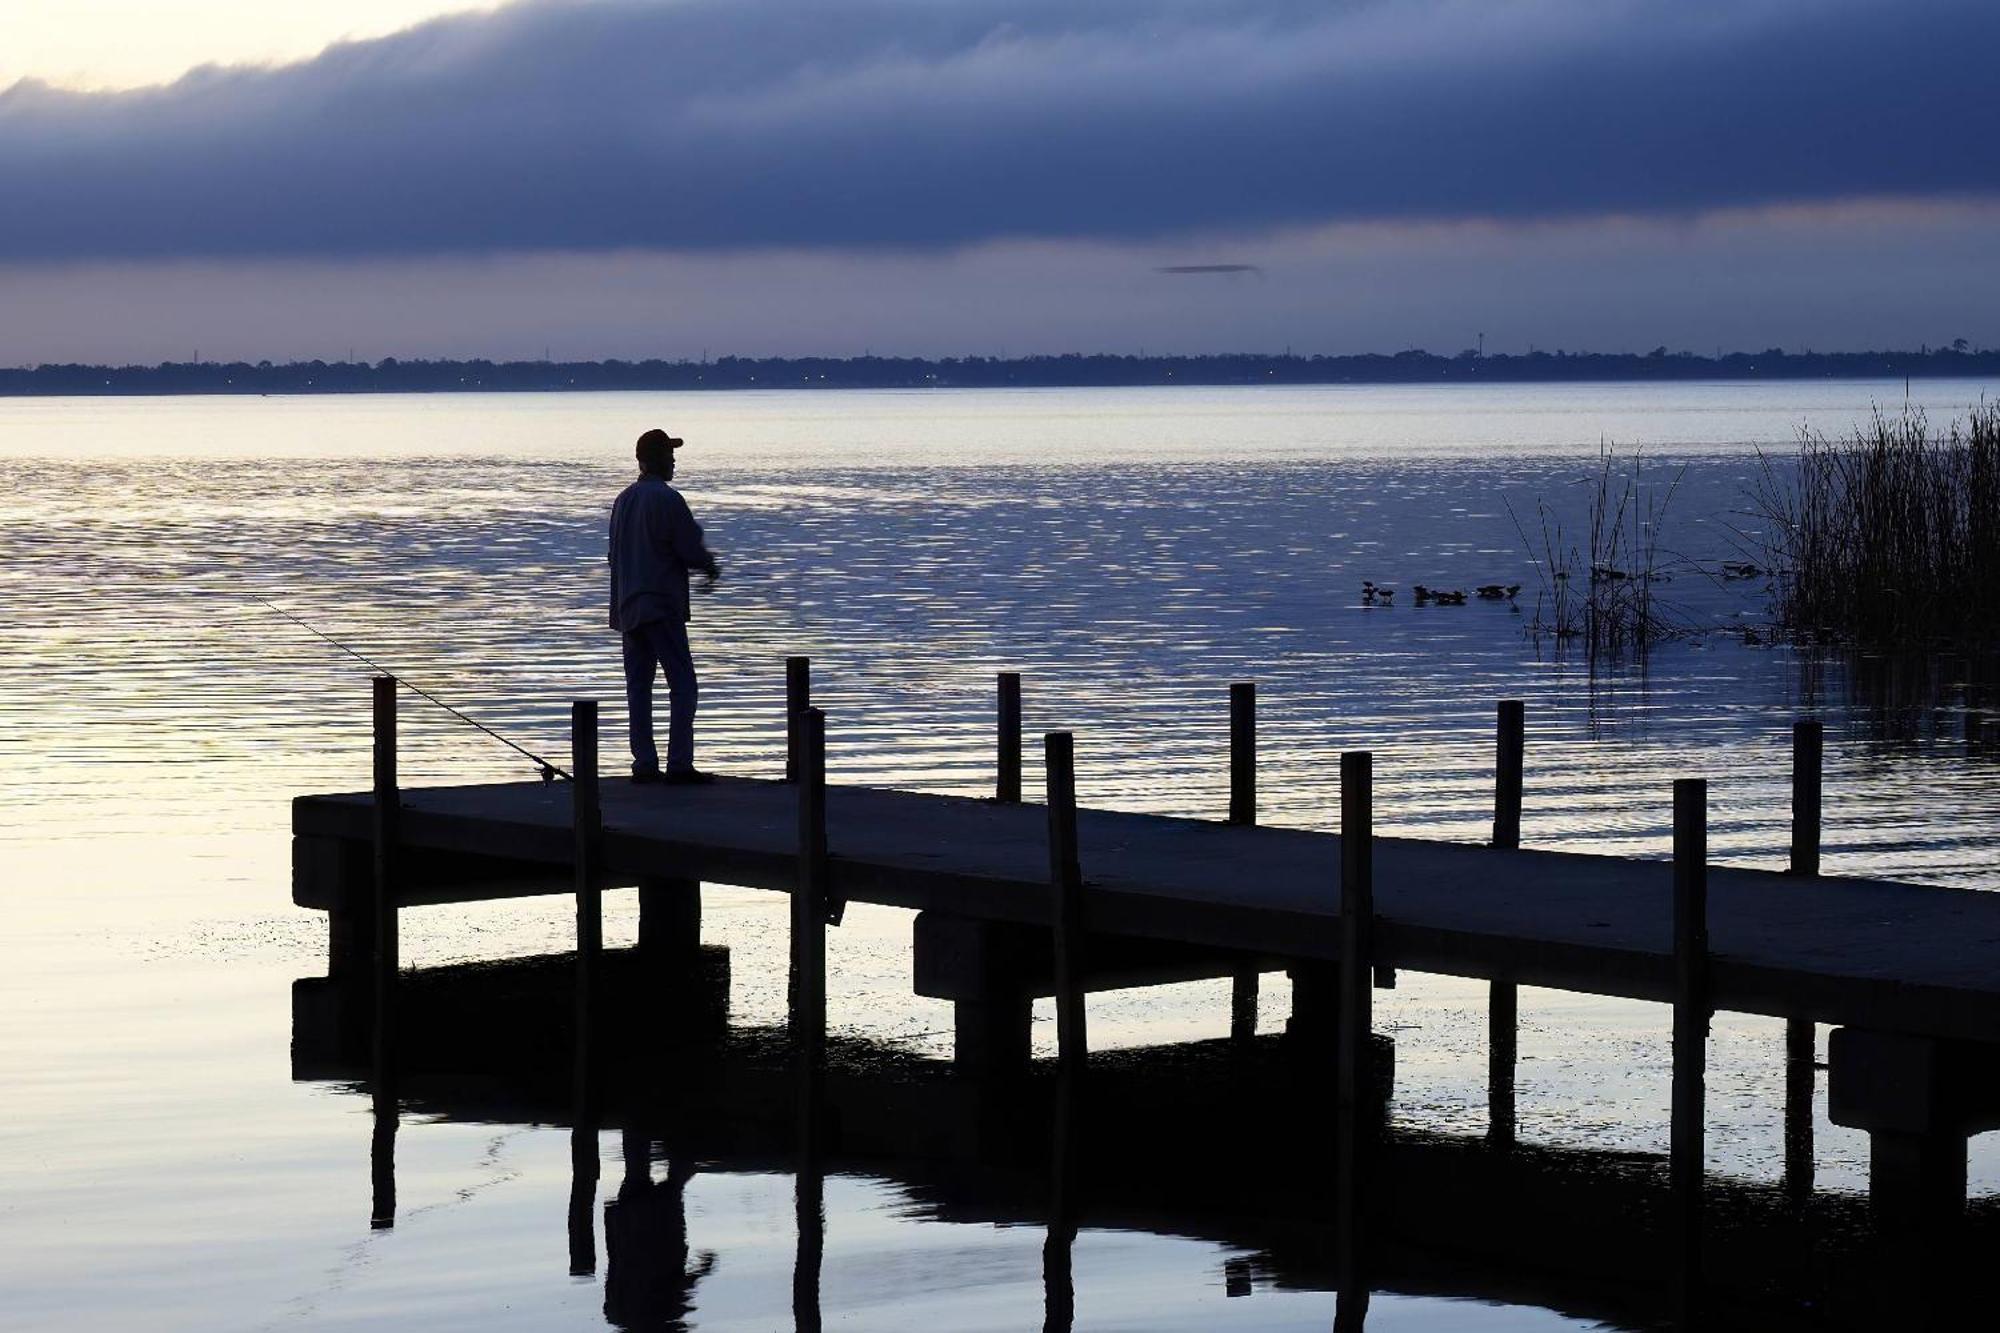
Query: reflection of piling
x: 1357, y: 920
x: 1691, y: 1015
x: 1007, y: 782
x: 583, y: 1171
x: 382, y: 1157
x: 798, y: 698
x: 1503, y: 996
x: 1243, y: 810
x: 1808, y: 766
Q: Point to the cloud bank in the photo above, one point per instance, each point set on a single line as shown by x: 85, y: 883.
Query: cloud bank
x: 705, y: 125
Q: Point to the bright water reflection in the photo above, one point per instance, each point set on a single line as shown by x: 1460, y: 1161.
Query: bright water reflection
x: 1130, y: 551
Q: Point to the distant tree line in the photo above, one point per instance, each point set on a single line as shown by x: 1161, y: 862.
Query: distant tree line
x: 979, y: 372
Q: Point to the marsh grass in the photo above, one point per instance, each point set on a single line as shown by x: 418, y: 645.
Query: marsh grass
x: 1888, y: 538
x: 1605, y: 597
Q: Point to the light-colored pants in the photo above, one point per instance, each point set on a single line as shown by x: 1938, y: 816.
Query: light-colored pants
x: 661, y: 645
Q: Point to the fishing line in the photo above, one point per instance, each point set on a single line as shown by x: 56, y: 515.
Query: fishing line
x: 550, y: 772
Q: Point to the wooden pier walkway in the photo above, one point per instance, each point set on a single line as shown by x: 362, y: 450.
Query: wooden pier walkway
x: 1902, y: 957
x: 1016, y: 900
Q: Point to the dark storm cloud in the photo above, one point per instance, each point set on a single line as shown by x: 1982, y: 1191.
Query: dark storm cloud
x: 714, y: 124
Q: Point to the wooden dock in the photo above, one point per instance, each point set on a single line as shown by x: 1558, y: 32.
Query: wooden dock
x: 1906, y: 957
x: 1909, y: 973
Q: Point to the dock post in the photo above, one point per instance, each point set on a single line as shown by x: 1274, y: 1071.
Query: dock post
x: 809, y: 898
x: 798, y: 698
x: 1066, y: 904
x: 387, y: 809
x: 1691, y: 1017
x: 1353, y: 1087
x: 1510, y: 747
x: 1808, y: 766
x: 1072, y: 1047
x: 1243, y: 810
x: 586, y: 829
x: 1007, y: 786
x: 1801, y: 1036
x: 1503, y: 1001
x: 1243, y: 752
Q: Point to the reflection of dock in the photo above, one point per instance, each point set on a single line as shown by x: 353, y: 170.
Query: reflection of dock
x: 1216, y: 1141
x: 1910, y: 974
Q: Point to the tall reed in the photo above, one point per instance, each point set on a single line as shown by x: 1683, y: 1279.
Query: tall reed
x: 1609, y: 601
x: 1888, y: 537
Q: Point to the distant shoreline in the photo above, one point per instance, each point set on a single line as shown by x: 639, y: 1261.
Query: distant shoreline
x: 1071, y: 371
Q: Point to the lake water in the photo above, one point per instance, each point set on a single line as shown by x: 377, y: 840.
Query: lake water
x: 1130, y: 551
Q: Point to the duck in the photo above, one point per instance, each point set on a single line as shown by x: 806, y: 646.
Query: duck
x: 1494, y: 592
x: 1740, y: 569
x: 1456, y: 597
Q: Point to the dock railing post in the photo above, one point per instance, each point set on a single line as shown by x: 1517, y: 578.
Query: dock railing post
x: 586, y: 829
x: 1801, y: 1034
x: 1503, y: 996
x: 1691, y: 1018
x: 387, y: 810
x: 798, y: 698
x: 1243, y: 752
x: 1510, y: 748
x: 1243, y: 810
x: 809, y: 898
x: 1007, y: 783
x: 1808, y: 765
x: 1353, y: 1086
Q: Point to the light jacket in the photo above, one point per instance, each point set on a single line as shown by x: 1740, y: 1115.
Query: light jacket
x: 654, y: 543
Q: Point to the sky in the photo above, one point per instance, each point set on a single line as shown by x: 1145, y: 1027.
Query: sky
x: 593, y: 178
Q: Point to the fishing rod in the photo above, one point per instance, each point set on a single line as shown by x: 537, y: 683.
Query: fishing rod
x: 550, y: 772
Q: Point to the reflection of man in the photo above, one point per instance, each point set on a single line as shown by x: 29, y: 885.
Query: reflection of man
x: 647, y: 1281
x: 654, y: 543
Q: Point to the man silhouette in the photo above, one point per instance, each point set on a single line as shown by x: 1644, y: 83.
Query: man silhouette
x: 654, y: 543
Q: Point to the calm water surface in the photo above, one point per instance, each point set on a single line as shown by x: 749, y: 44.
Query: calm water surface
x: 1130, y: 551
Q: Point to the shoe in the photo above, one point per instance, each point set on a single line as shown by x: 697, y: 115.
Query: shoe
x: 686, y: 777
x: 642, y: 777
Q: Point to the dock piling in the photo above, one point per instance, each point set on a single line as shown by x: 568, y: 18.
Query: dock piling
x: 1243, y: 810
x: 1352, y: 1087
x: 1066, y: 906
x: 798, y: 698
x: 1503, y: 1001
x: 1691, y: 1017
x: 1007, y: 784
x: 1510, y: 748
x: 810, y: 897
x: 387, y: 812
x: 387, y: 1111
x: 1801, y: 1036
x: 1808, y: 765
x: 1243, y: 752
x: 587, y: 827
